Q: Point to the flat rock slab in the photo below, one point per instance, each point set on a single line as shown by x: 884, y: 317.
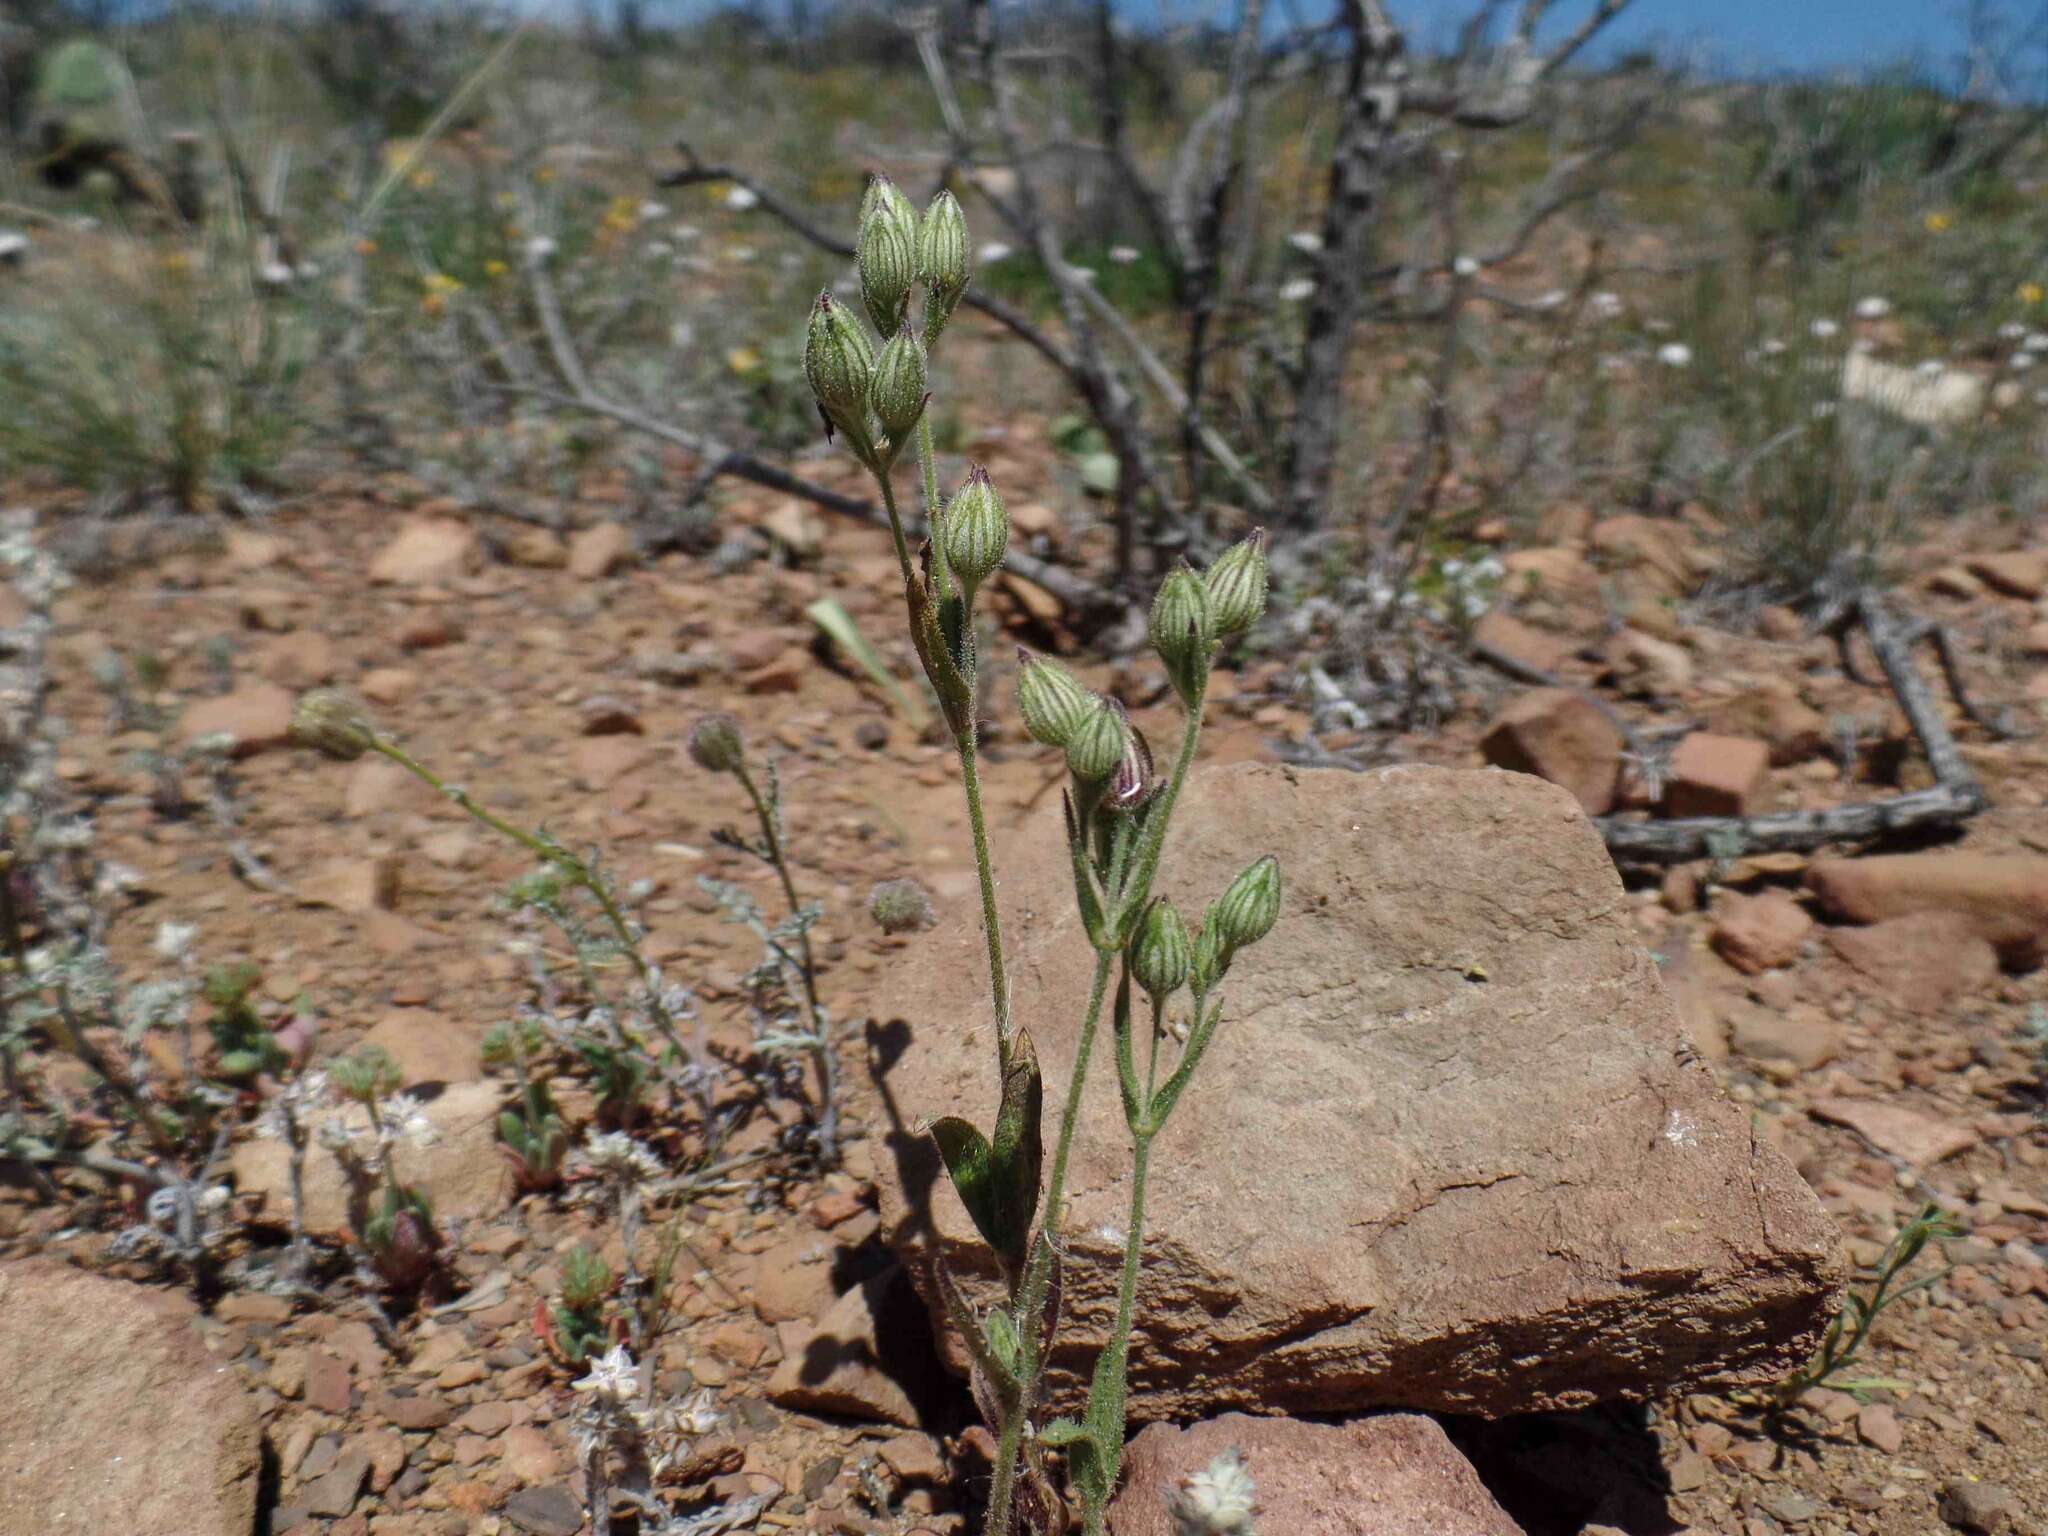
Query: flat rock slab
x: 1396, y: 1474
x: 115, y: 1418
x: 1447, y: 1150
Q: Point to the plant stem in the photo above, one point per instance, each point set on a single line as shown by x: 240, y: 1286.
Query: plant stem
x: 821, y: 1051
x: 883, y: 479
x: 1119, y: 1346
x: 552, y: 853
x: 991, y: 920
x: 928, y: 467
x: 1032, y: 1294
x: 1140, y: 883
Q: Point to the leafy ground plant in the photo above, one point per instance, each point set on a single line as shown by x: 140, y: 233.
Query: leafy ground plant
x: 1118, y: 808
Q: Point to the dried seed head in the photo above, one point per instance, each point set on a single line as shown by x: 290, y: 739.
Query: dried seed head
x: 975, y: 530
x: 1183, y: 631
x: 838, y: 361
x: 1249, y: 908
x: 1219, y: 1500
x: 1052, y: 701
x: 942, y: 250
x: 886, y: 255
x: 1161, y: 954
x: 329, y: 721
x: 901, y: 906
x: 896, y: 393
x: 1236, y: 585
x: 716, y: 744
x: 1097, y: 746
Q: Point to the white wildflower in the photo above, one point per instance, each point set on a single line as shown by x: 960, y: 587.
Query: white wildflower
x: 1122, y: 255
x: 2022, y: 360
x: 2037, y: 341
x: 1823, y: 328
x: 275, y: 274
x: 1675, y: 354
x: 1297, y: 290
x: 615, y: 1155
x: 1873, y: 308
x: 992, y: 252
x: 683, y: 234
x: 651, y: 210
x: 540, y: 248
x: 1466, y: 266
x: 1552, y: 298
x: 1306, y: 241
x: 405, y: 1118
x: 1219, y: 1500
x: 740, y: 199
x: 2012, y: 330
x: 1605, y: 305
x: 1772, y: 347
x: 174, y: 940
x: 613, y: 1378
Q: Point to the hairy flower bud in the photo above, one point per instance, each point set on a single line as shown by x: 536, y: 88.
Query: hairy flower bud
x: 942, y: 257
x: 1097, y: 746
x: 884, y: 197
x: 1136, y: 780
x: 887, y: 258
x: 1161, y: 954
x: 1209, y: 960
x: 1051, y: 699
x: 901, y: 906
x: 1250, y: 907
x: 1219, y: 1500
x: 896, y: 393
x: 1183, y: 631
x: 974, y: 530
x: 1236, y: 585
x: 839, y: 360
x: 716, y: 744
x: 329, y: 721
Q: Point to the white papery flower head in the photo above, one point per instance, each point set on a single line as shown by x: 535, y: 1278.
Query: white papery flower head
x: 1823, y: 328
x: 174, y: 940
x: 1675, y: 354
x: 1873, y: 308
x: 405, y: 1118
x: 1298, y: 290
x: 1605, y: 305
x: 1122, y: 255
x: 1466, y: 266
x: 1219, y: 1500
x: 742, y: 198
x: 613, y: 1378
x: 615, y: 1155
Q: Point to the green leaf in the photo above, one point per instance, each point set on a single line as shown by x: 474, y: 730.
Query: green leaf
x: 970, y: 1163
x: 1003, y: 1343
x: 1019, y: 1148
x: 840, y: 628
x: 1099, y: 473
x: 1062, y: 1432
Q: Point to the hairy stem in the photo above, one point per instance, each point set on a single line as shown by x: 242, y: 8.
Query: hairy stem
x: 1119, y: 1346
x: 1132, y: 900
x: 1030, y: 1301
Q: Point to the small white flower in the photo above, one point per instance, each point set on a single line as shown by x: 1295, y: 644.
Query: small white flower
x: 275, y: 274
x: 405, y: 1118
x: 1823, y: 328
x: 1306, y: 241
x: 1466, y: 266
x: 2012, y: 330
x: 740, y: 199
x: 174, y: 940
x: 1873, y: 308
x: 700, y: 1415
x: 1219, y: 1500
x: 1605, y: 305
x: 2037, y: 341
x: 1772, y: 347
x: 1823, y: 409
x: 616, y: 1155
x: 743, y: 255
x: 13, y: 244
x: 613, y: 1377
x: 1122, y: 255
x: 1552, y: 298
x: 992, y: 252
x: 539, y: 249
x: 2022, y: 361
x: 1297, y: 290
x: 685, y: 233
x: 651, y: 210
x: 1675, y: 354
x: 656, y: 249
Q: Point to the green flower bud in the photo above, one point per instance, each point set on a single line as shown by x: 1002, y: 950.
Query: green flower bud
x: 329, y: 721
x: 942, y: 255
x: 367, y: 1073
x: 1210, y: 961
x: 839, y: 360
x: 1051, y: 699
x: 1098, y: 745
x: 716, y: 744
x: 886, y: 255
x: 974, y: 530
x: 1236, y: 585
x: 884, y: 197
x: 896, y: 393
x: 1183, y: 632
x: 1250, y: 906
x: 1161, y: 955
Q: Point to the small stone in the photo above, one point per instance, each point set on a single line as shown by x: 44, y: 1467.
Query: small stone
x: 1559, y: 735
x: 1878, y: 1425
x: 303, y: 659
x: 2019, y: 573
x: 256, y: 719
x: 327, y: 1386
x: 1801, y: 1040
x: 548, y: 1511
x: 606, y: 714
x: 333, y: 1494
x: 418, y: 1412
x: 599, y: 550
x: 1760, y: 933
x: 1792, y: 1507
x: 529, y: 1456
x: 914, y: 1458
x: 428, y: 551
x: 1645, y: 667
x: 353, y: 886
x: 797, y: 529
x: 1921, y: 962
x: 1508, y: 636
x: 539, y: 549
x: 388, y: 685
x: 1912, y: 1137
x: 1715, y: 775
x: 1970, y: 1505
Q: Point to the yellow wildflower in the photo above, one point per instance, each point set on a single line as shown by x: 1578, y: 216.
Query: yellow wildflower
x: 2030, y: 293
x: 495, y: 268
x: 743, y: 360
x: 1937, y: 223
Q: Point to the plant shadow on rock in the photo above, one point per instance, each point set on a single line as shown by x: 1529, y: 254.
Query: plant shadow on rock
x: 1556, y: 1473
